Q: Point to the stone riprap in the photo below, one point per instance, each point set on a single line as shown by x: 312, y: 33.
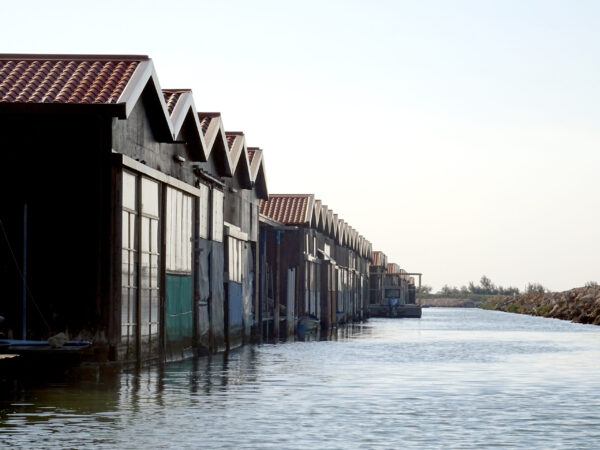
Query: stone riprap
x: 581, y: 305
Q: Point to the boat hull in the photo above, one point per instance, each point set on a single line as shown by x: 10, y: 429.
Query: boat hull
x: 397, y: 311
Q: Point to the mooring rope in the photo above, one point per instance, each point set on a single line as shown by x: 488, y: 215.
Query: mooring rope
x: 14, y: 258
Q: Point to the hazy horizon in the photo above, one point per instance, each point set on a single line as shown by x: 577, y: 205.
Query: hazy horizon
x: 460, y: 138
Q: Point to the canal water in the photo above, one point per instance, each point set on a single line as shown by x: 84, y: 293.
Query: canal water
x: 457, y: 378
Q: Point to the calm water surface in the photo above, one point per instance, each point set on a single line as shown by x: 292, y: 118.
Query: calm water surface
x: 457, y: 378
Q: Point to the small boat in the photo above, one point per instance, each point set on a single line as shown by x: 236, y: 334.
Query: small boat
x: 23, y: 347
x: 407, y: 310
x: 308, y: 323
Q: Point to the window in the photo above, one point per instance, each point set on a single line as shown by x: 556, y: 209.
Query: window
x: 217, y: 215
x: 129, y: 258
x: 253, y: 222
x: 149, y: 260
x: 140, y: 289
x: 204, y: 213
x: 235, y: 259
x: 178, y: 232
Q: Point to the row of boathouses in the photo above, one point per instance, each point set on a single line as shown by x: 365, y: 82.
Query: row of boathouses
x: 133, y: 220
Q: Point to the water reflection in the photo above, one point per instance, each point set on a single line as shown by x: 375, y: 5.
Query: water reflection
x: 454, y: 378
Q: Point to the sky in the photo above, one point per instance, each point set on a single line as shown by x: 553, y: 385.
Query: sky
x: 461, y: 138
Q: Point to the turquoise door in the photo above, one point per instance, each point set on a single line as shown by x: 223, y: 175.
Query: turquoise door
x: 178, y: 315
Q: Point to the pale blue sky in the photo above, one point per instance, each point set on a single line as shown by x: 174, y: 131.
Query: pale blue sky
x: 460, y: 137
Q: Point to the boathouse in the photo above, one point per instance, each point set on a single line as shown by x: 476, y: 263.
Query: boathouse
x: 313, y: 264
x: 134, y: 216
x: 392, y: 289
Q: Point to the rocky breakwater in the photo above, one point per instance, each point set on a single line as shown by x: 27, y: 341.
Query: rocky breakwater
x: 581, y: 305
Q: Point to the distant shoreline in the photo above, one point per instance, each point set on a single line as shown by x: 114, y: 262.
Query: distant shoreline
x: 580, y: 305
x: 449, y: 302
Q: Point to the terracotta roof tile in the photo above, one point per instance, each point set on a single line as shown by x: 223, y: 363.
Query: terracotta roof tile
x: 230, y: 140
x: 393, y: 268
x: 251, y: 152
x: 205, y: 119
x: 204, y: 122
x: 289, y: 209
x: 64, y: 80
x: 172, y: 97
x: 379, y: 259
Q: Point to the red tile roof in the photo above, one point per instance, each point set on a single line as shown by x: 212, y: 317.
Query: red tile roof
x: 379, y: 259
x: 65, y: 79
x: 393, y: 268
x: 172, y: 96
x: 230, y: 140
x: 251, y: 152
x: 204, y: 122
x: 231, y: 135
x: 289, y: 209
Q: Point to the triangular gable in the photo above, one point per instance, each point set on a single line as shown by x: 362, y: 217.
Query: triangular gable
x: 334, y: 226
x: 352, y: 238
x: 325, y: 219
x: 348, y: 238
x: 186, y: 123
x: 330, y: 227
x: 216, y: 142
x: 341, y: 231
x: 99, y: 84
x: 317, y: 221
x: 238, y: 156
x: 258, y: 172
x: 144, y: 82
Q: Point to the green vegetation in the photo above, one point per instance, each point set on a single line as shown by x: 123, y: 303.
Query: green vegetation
x: 491, y: 303
x: 513, y: 307
x: 535, y: 288
x: 485, y: 288
x: 543, y: 310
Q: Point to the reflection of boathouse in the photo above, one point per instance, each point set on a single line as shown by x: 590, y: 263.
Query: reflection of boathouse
x: 141, y: 219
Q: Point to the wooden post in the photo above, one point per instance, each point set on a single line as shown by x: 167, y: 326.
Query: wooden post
x: 277, y: 272
x: 24, y: 332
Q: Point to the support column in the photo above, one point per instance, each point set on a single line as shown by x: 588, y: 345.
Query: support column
x: 277, y: 273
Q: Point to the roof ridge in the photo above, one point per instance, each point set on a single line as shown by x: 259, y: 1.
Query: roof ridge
x: 177, y: 90
x: 73, y: 57
x: 290, y: 195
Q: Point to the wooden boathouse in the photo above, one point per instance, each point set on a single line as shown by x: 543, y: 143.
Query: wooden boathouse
x: 142, y: 214
x: 319, y: 264
x: 392, y: 289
